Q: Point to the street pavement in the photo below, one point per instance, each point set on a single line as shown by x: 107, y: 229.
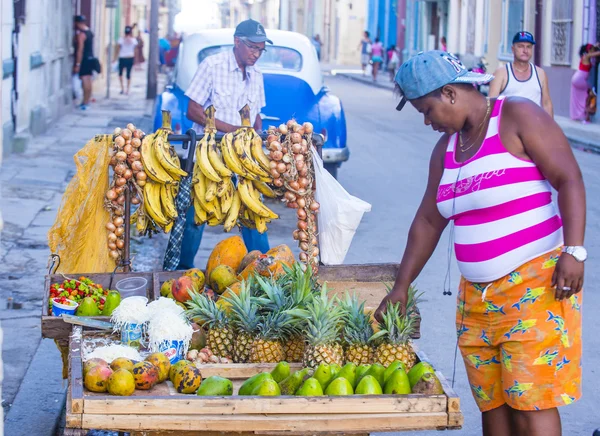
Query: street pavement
x: 388, y: 167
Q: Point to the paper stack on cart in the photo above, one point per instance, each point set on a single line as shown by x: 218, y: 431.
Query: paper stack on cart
x: 339, y: 215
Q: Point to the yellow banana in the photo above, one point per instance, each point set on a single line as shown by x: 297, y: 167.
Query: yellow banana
x: 231, y: 159
x: 200, y: 194
x: 211, y: 190
x: 261, y: 223
x: 152, y: 166
x: 258, y: 153
x: 168, y: 202
x: 152, y: 203
x: 233, y: 212
x: 214, y: 221
x: 223, y: 187
x: 249, y: 199
x: 205, y: 165
x: 141, y: 223
x: 216, y: 160
x: 242, y: 149
x: 200, y: 215
x: 163, y: 153
x: 264, y: 189
x: 169, y: 227
x: 227, y: 198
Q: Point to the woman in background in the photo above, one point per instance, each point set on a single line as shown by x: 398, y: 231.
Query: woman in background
x: 376, y: 57
x: 139, y: 49
x: 126, y: 53
x: 579, y: 84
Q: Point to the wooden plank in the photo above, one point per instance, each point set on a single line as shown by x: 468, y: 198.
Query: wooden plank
x: 455, y: 421
x: 335, y: 423
x: 220, y: 433
x: 75, y: 370
x: 371, y: 292
x: 453, y: 398
x: 235, y: 405
x: 374, y: 272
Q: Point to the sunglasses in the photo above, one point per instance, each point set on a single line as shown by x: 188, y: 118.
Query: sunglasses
x: 253, y: 48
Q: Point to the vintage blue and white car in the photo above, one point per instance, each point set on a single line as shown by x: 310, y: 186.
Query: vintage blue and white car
x: 293, y: 86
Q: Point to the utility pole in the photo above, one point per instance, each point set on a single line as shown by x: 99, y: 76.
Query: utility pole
x: 110, y: 5
x: 152, y: 83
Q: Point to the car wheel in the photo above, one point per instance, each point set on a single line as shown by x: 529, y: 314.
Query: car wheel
x: 332, y: 168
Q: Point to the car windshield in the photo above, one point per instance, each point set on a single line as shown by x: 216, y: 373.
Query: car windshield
x: 275, y: 58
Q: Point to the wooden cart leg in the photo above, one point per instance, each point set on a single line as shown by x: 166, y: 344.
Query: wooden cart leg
x: 74, y: 432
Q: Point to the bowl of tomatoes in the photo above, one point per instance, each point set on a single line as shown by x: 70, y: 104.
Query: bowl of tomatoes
x: 63, y: 306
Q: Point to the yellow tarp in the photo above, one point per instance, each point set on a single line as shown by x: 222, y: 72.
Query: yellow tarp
x: 78, y: 235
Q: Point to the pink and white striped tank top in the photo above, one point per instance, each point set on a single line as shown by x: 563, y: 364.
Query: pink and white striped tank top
x: 501, y: 206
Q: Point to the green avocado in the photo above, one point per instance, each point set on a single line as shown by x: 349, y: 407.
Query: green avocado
x: 113, y: 299
x: 88, y: 307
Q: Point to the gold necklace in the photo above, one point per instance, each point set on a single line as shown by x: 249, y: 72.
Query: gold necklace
x: 521, y: 71
x: 481, y: 127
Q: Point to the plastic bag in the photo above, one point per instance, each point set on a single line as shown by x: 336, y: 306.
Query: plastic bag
x: 78, y: 235
x: 77, y: 87
x: 339, y: 215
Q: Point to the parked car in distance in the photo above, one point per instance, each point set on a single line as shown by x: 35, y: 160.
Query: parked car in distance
x: 294, y: 87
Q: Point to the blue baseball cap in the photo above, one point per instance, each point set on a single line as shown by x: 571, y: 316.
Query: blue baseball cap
x: 428, y: 71
x: 253, y: 31
x: 524, y: 37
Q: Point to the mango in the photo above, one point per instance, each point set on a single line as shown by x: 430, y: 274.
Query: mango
x: 215, y: 386
x: 290, y: 384
x: 87, y: 307
x: 180, y: 364
x: 96, y: 379
x: 397, y: 383
x: 163, y: 364
x: 323, y: 375
x: 221, y: 278
x: 368, y: 386
x: 348, y: 372
x: 429, y: 384
x: 310, y: 388
x: 281, y: 371
x: 122, y: 363
x: 113, y: 299
x: 181, y: 289
x: 122, y: 383
x: 361, y: 370
x: 339, y: 387
x: 90, y: 363
x: 198, y: 341
x: 335, y: 369
x: 187, y: 379
x: 165, y: 288
x: 417, y: 372
x: 197, y: 277
x: 377, y: 370
x: 249, y: 385
x: 268, y: 388
x: 145, y: 375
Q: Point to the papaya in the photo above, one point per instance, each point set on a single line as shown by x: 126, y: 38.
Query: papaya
x: 248, y: 259
x: 221, y: 278
x: 269, y: 264
x: 230, y: 252
x: 236, y: 288
x: 283, y: 256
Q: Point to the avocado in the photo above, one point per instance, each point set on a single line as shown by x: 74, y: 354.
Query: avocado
x: 113, y: 299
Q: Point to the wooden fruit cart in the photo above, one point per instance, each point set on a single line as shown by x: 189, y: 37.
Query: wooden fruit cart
x: 162, y: 410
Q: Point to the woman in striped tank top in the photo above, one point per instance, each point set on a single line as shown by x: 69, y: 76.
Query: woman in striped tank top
x: 519, y: 304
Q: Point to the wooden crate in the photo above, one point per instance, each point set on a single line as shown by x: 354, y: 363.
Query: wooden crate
x: 53, y: 327
x: 164, y: 411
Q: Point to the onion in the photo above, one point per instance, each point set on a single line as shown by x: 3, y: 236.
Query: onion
x: 131, y: 127
x: 284, y: 150
x: 301, y: 214
x: 272, y: 138
x: 117, y: 131
x: 141, y: 183
x: 296, y: 127
x: 121, y: 199
x: 110, y: 227
x: 290, y: 124
x: 272, y: 164
x: 120, y: 243
x: 303, y: 257
x: 304, y: 149
x: 283, y: 129
x: 111, y: 194
x: 314, y: 241
x: 314, y: 206
x: 295, y: 234
x: 277, y: 182
x: 115, y: 254
x: 120, y: 168
x: 300, y: 166
x: 296, y: 148
x: 289, y: 196
x: 119, y: 141
x: 141, y: 176
x: 296, y: 138
x: 308, y: 127
x: 127, y: 174
x: 120, y: 231
x: 302, y: 225
x: 299, y: 157
x: 315, y: 252
x: 138, y: 134
x: 281, y: 168
x: 302, y: 235
x: 128, y: 149
x: 276, y: 175
x: 304, y: 142
x: 113, y: 161
x: 136, y: 142
x: 301, y: 191
x: 135, y: 155
x: 287, y: 158
x: 119, y: 211
x: 294, y: 185
x: 121, y: 156
x: 119, y: 190
x: 304, y: 246
x: 126, y: 134
x: 276, y: 155
x: 292, y: 205
x: 112, y: 237
x: 120, y: 181
x: 303, y: 182
x: 301, y: 202
x: 275, y: 146
x: 118, y: 221
x: 112, y: 246
x: 301, y: 131
x: 288, y: 168
x: 135, y: 200
x: 137, y: 166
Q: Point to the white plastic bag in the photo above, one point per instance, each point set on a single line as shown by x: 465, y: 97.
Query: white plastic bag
x: 339, y: 215
x: 77, y: 88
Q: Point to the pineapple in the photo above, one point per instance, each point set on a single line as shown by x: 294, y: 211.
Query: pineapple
x: 357, y: 332
x: 323, y: 325
x: 394, y: 337
x: 245, y: 319
x: 219, y: 338
x: 267, y: 346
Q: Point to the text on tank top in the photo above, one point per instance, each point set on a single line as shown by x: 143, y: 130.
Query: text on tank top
x: 501, y: 206
x: 530, y: 88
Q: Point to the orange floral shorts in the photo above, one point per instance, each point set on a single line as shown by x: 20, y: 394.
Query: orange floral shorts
x: 520, y: 345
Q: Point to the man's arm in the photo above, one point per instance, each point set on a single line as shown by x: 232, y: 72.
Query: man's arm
x: 79, y: 55
x: 546, y: 99
x: 499, y: 82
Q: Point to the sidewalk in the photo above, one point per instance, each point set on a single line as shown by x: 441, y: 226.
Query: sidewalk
x: 581, y: 136
x: 32, y: 186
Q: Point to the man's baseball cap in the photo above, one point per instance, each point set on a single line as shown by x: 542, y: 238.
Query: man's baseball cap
x: 524, y: 37
x: 428, y: 71
x: 80, y: 18
x: 251, y: 30
x: 128, y: 29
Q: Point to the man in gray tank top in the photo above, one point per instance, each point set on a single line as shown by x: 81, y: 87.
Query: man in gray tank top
x: 521, y: 78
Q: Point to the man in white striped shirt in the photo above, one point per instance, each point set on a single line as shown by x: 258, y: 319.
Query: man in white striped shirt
x: 227, y: 81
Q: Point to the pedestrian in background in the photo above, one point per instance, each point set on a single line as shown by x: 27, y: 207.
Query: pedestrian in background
x: 393, y: 61
x: 376, y: 57
x: 85, y: 62
x: 521, y: 78
x: 125, y: 52
x: 365, y: 51
x: 580, y: 108
x: 443, y: 44
x: 316, y: 41
x: 139, y: 48
x: 519, y: 306
x: 163, y: 47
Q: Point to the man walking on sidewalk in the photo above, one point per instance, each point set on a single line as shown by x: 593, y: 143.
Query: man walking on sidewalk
x: 228, y: 81
x: 84, y: 59
x: 521, y: 78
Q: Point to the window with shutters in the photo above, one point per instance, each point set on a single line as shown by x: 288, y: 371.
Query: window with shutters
x: 562, y: 30
x: 513, y: 21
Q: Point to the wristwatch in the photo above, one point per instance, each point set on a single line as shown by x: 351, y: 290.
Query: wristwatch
x: 578, y: 252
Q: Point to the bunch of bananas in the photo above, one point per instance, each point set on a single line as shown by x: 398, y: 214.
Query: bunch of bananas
x: 164, y: 172
x: 216, y: 198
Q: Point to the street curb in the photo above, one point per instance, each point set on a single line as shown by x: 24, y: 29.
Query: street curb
x: 39, y: 403
x: 356, y: 79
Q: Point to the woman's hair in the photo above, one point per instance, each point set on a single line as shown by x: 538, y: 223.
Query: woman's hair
x: 376, y: 39
x: 585, y: 49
